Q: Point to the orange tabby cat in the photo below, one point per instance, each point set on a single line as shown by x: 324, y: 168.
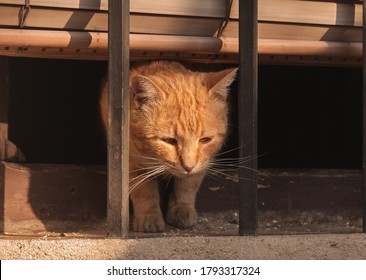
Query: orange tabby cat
x: 178, y: 124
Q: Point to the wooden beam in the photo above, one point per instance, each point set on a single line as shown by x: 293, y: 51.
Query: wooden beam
x: 34, y: 194
x: 93, y: 45
x: 204, y: 8
x: 119, y: 119
x: 283, y: 31
x: 346, y: 13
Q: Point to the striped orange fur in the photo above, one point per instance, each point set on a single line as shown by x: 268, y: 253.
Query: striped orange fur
x: 178, y: 122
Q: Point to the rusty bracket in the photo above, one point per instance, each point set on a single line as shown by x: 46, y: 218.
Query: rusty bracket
x: 23, y: 13
x: 225, y: 21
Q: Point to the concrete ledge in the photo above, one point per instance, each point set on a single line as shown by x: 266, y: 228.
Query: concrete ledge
x: 326, y: 246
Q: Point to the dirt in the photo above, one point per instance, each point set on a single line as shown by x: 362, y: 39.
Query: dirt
x: 316, y: 218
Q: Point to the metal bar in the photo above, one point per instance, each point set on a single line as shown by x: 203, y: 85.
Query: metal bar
x: 248, y: 60
x: 4, y: 103
x: 4, y: 92
x: 118, y: 132
x: 364, y: 116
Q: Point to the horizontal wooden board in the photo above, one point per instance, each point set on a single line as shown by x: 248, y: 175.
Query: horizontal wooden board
x: 149, y: 24
x: 202, y: 8
x: 46, y: 193
x: 71, y: 4
x: 9, y: 16
x: 94, y: 45
x: 97, y: 21
x: 174, y: 25
x: 346, y: 13
x: 300, y: 32
x: 307, y: 12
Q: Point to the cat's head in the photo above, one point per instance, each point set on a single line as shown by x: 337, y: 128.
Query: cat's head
x: 179, y: 118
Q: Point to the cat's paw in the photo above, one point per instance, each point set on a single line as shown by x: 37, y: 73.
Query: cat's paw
x: 152, y: 222
x: 182, y: 216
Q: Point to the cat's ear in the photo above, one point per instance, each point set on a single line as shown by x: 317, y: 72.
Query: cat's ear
x: 144, y: 90
x: 218, y: 82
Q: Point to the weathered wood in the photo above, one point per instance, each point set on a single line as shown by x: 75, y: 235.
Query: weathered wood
x: 282, y: 31
x: 35, y: 192
x: 96, y: 21
x: 348, y: 13
x: 93, y: 45
x: 205, y: 8
x: 119, y: 119
x: 280, y: 19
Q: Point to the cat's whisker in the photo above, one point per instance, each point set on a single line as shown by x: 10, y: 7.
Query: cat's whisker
x: 147, y: 173
x: 231, y: 150
x: 218, y: 173
x: 234, y: 160
x: 144, y: 157
x: 235, y: 164
x: 146, y: 177
x: 143, y: 169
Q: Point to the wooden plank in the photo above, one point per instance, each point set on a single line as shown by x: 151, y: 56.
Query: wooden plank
x: 67, y: 19
x: 119, y: 119
x: 200, y: 24
x: 311, y: 48
x: 348, y: 13
x: 71, y: 4
x: 96, y: 21
x: 174, y: 25
x: 34, y: 192
x: 9, y: 16
x: 202, y: 8
x: 93, y: 46
x: 82, y: 20
x: 56, y: 53
x: 300, y: 32
x: 24, y: 38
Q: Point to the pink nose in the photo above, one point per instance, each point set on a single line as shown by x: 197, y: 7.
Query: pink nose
x: 187, y: 168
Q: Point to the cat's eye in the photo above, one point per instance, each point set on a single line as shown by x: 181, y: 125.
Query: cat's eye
x: 170, y: 140
x: 205, y: 140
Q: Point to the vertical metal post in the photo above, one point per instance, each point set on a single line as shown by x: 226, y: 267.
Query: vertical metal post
x: 364, y: 115
x: 4, y: 104
x: 118, y: 135
x: 4, y: 92
x: 248, y: 61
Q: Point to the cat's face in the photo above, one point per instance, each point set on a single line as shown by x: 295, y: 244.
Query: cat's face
x: 180, y: 122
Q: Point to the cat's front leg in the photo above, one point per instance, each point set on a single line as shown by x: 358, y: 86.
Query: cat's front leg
x: 146, y: 206
x: 181, y: 207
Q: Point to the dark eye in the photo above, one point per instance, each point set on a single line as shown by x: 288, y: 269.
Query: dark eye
x: 205, y: 139
x: 169, y: 140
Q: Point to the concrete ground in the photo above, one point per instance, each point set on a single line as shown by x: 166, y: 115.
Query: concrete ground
x: 297, y: 220
x: 323, y: 246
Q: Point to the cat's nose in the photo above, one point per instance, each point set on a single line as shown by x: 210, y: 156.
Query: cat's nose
x: 188, y: 168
